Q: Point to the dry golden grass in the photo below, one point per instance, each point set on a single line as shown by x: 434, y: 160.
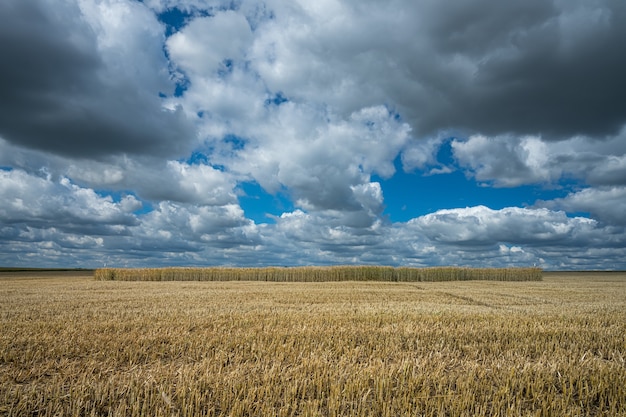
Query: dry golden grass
x: 73, y: 346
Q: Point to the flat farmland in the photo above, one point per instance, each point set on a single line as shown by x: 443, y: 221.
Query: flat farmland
x: 73, y: 346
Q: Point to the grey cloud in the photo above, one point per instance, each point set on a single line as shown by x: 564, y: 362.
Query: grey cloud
x: 185, y: 235
x: 42, y: 203
x: 198, y: 184
x: 322, y: 238
x: 610, y: 171
x: 527, y: 67
x: 533, y: 67
x: 524, y: 67
x: 506, y: 161
x: 607, y: 204
x: 150, y: 178
x: 197, y: 226
x: 515, y: 236
x: 55, y: 217
x: 58, y: 94
x: 475, y: 236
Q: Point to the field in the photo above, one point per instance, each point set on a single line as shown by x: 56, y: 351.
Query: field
x: 74, y: 346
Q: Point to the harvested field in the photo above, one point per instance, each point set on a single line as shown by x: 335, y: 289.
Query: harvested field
x: 74, y: 346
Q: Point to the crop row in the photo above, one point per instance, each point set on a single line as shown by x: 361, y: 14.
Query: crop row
x: 319, y: 274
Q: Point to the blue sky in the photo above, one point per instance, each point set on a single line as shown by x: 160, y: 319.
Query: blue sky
x: 193, y: 132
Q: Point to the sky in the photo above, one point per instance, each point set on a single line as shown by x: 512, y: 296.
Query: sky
x: 419, y: 133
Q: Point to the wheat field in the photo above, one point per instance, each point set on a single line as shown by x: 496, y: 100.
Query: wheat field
x: 320, y: 274
x: 74, y: 346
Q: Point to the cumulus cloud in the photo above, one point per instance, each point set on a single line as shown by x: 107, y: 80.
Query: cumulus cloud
x: 79, y: 227
x: 58, y: 215
x: 195, y: 228
x: 607, y: 204
x: 517, y: 236
x: 312, y: 100
x: 40, y: 201
x: 325, y: 166
x: 524, y: 67
x: 83, y: 79
x: 200, y: 48
x: 481, y: 225
x: 506, y: 161
x: 176, y: 181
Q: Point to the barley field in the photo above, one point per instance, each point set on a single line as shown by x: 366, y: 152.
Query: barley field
x: 71, y: 345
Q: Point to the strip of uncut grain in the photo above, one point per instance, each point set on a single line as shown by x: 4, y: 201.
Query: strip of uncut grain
x: 319, y: 274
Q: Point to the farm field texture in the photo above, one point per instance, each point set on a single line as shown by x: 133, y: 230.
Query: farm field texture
x: 74, y: 346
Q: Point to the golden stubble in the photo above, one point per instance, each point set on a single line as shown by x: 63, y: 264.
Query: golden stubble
x: 75, y: 346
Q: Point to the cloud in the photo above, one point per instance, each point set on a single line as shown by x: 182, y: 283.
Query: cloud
x: 83, y: 80
x: 476, y: 236
x: 422, y: 155
x: 607, y: 204
x: 526, y: 68
x: 175, y: 225
x: 517, y: 236
x: 52, y: 217
x: 481, y: 225
x: 149, y: 178
x: 324, y: 240
x: 506, y: 161
x: 199, y: 48
x: 198, y: 184
x: 81, y: 228
x: 324, y: 165
x: 42, y: 202
x: 521, y: 68
x: 123, y: 139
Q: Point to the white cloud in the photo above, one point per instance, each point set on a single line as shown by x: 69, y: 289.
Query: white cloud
x: 321, y: 163
x: 202, y: 46
x: 41, y: 212
x: 191, y: 6
x: 149, y: 178
x: 42, y: 201
x: 79, y: 227
x: 198, y: 184
x: 129, y: 41
x: 483, y: 226
x: 421, y: 155
x: 607, y: 204
x: 194, y: 225
x: 509, y: 161
x: 505, y: 161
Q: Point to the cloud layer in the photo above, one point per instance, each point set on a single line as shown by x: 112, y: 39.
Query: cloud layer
x: 127, y: 136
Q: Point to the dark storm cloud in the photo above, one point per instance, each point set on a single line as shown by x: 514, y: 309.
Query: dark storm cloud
x: 524, y: 67
x: 57, y: 93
